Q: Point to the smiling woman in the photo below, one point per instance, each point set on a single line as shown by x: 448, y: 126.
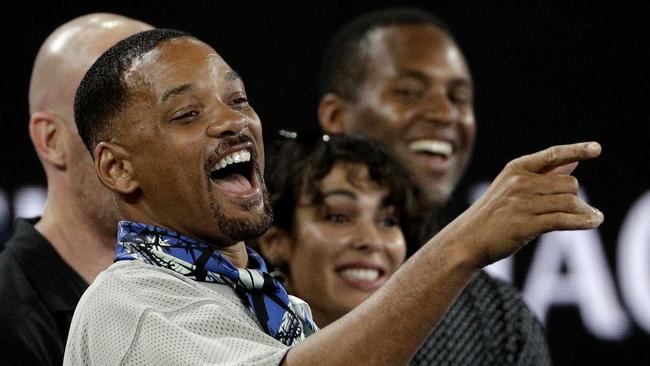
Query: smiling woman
x: 339, y: 205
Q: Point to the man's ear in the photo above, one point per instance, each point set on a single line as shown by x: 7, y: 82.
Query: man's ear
x: 332, y: 111
x: 114, y: 169
x: 46, y: 133
x: 275, y: 245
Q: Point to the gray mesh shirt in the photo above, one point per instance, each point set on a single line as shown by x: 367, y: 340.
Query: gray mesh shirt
x: 489, y: 324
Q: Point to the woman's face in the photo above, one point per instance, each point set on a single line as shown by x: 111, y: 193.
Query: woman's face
x: 344, y: 244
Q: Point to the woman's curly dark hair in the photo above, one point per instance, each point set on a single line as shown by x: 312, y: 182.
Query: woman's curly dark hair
x: 299, y: 164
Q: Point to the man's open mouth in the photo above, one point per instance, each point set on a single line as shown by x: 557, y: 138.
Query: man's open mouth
x: 235, y: 172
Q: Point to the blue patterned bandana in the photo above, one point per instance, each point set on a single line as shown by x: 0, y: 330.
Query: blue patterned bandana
x: 285, y: 320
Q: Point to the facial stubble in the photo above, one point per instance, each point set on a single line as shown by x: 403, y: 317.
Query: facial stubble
x: 248, y: 228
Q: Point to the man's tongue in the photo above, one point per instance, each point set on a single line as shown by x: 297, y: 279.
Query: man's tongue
x: 234, y: 182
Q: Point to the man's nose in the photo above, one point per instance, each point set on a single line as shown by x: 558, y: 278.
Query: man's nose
x: 440, y: 109
x: 227, y: 122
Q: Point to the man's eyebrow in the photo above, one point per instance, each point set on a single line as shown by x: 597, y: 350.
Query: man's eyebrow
x: 232, y: 75
x: 339, y: 192
x: 175, y: 91
x: 463, y: 82
x: 417, y: 74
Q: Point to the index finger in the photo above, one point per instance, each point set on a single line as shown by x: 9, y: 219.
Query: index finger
x: 556, y: 156
x: 565, y: 169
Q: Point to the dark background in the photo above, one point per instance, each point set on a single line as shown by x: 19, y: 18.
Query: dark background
x: 545, y: 73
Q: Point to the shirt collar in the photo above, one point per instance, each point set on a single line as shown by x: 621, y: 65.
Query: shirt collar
x: 186, y: 250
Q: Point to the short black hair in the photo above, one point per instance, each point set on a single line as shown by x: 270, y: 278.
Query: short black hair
x: 343, y: 67
x: 103, y: 92
x: 299, y: 165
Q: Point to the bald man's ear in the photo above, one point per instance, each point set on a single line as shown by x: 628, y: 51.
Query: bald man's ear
x: 46, y: 133
x: 275, y: 245
x: 114, y: 169
x: 332, y: 111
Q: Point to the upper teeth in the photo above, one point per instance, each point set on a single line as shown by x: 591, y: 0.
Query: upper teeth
x: 361, y: 274
x: 432, y: 146
x: 232, y: 158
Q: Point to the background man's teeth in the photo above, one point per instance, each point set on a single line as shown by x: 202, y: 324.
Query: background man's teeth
x: 432, y: 146
x: 223, y: 163
x: 229, y: 159
x: 236, y: 157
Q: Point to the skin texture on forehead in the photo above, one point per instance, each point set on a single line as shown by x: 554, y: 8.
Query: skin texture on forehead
x: 154, y: 65
x: 415, y: 42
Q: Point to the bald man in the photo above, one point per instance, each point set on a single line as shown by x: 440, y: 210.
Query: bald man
x: 49, y: 261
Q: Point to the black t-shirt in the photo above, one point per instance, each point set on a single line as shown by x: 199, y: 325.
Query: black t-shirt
x: 38, y: 295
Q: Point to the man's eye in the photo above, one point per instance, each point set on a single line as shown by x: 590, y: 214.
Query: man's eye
x: 460, y: 96
x: 337, y: 218
x: 240, y: 100
x: 407, y: 93
x: 389, y: 222
x: 186, y: 115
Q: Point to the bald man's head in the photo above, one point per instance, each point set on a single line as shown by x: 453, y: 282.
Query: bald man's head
x: 61, y: 63
x: 68, y: 53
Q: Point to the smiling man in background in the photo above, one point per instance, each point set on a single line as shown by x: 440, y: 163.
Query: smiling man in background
x: 398, y: 77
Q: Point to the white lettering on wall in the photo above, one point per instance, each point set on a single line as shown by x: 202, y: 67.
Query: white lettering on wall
x: 29, y: 201
x: 569, y: 268
x: 634, y: 261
